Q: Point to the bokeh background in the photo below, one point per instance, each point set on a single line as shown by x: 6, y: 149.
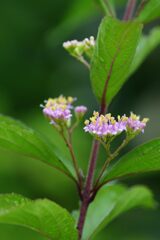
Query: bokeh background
x: 33, y: 67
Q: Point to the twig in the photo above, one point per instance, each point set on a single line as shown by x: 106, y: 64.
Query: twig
x: 129, y: 9
x: 104, y: 4
x: 82, y: 60
x: 75, y: 163
x: 109, y: 159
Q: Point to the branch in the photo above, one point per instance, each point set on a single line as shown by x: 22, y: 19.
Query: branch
x: 105, y: 4
x: 129, y: 9
x: 74, y: 160
x: 88, y: 187
x: 111, y: 157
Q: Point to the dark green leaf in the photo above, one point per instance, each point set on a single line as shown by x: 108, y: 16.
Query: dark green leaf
x: 146, y: 45
x: 114, y: 51
x: 17, y: 137
x: 144, y: 158
x: 150, y: 12
x: 110, y: 202
x: 42, y: 216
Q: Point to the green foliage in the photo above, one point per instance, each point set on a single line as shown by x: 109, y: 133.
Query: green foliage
x: 150, y: 12
x: 17, y: 137
x: 110, y: 202
x: 114, y: 51
x: 117, y: 54
x: 42, y: 216
x: 146, y: 45
x: 144, y: 158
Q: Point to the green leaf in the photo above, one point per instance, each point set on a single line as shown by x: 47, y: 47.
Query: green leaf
x: 150, y: 12
x: 17, y: 137
x: 42, y: 216
x: 146, y: 45
x: 114, y: 51
x: 144, y: 158
x: 110, y: 202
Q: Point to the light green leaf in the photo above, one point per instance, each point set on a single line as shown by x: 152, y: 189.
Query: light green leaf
x: 114, y: 51
x: 150, y: 12
x: 42, y: 216
x: 146, y: 45
x: 15, y: 136
x: 110, y: 202
x: 144, y: 158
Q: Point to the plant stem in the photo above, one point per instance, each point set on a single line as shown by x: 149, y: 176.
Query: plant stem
x: 88, y: 187
x: 90, y: 175
x: 129, y: 9
x: 82, y: 60
x: 87, y: 193
x: 109, y: 159
x: 75, y: 163
x: 107, y: 7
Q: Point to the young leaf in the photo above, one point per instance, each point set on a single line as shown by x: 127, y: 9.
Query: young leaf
x: 146, y: 45
x: 144, y: 158
x: 110, y: 202
x: 150, y: 12
x: 42, y: 216
x: 17, y: 137
x: 114, y: 51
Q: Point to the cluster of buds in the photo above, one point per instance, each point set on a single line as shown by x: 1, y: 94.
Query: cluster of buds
x: 102, y: 126
x: 78, y: 48
x: 59, y: 110
x: 80, y: 111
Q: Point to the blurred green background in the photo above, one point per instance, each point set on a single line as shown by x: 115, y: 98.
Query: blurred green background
x: 33, y: 67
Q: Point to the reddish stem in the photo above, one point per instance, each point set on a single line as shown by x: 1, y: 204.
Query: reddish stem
x: 129, y: 10
x: 88, y: 186
x: 87, y: 193
x: 87, y: 198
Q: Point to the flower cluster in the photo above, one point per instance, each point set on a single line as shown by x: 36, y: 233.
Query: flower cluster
x: 58, y: 110
x: 78, y: 48
x: 106, y: 125
x: 135, y: 124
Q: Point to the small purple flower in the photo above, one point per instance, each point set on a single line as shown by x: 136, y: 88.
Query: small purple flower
x: 80, y: 111
x: 58, y: 109
x: 57, y: 113
x: 104, y: 125
x: 135, y: 124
